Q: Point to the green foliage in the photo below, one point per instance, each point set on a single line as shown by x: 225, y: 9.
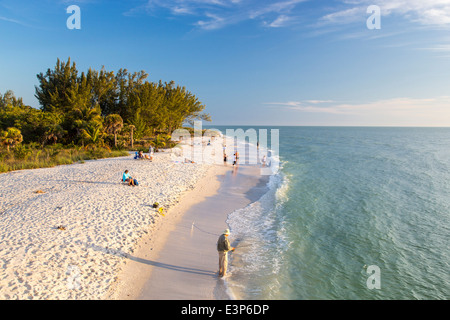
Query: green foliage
x: 29, y: 157
x: 21, y: 152
x: 91, y: 134
x: 11, y: 137
x: 87, y: 108
x: 114, y: 124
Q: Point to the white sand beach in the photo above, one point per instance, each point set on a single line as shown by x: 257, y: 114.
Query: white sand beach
x: 101, y: 221
x: 182, y: 262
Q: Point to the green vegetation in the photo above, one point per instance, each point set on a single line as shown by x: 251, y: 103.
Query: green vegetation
x: 91, y: 115
x: 33, y: 156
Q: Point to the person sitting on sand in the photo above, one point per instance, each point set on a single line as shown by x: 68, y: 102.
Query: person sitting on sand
x: 128, y: 178
x: 223, y: 246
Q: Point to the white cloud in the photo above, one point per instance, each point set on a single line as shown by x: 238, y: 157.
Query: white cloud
x: 214, y: 22
x: 396, y: 111
x: 281, y: 21
x: 313, y: 106
x: 436, y: 16
x: 274, y: 7
x: 10, y: 20
x: 344, y: 16
x: 14, y: 21
x: 215, y: 14
x: 348, y: 19
x: 319, y: 101
x: 426, y: 12
x: 181, y: 10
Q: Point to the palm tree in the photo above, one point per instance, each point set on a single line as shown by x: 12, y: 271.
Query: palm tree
x: 159, y: 143
x: 132, y: 128
x: 114, y: 124
x: 11, y: 137
x: 53, y: 133
x: 84, y: 117
x: 91, y: 133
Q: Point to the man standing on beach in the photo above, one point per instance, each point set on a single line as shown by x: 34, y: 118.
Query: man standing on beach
x: 223, y: 246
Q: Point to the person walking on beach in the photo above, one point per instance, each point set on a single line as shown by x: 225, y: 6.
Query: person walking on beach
x: 223, y: 246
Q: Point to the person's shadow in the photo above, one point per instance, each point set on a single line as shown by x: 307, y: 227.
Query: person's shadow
x: 122, y: 254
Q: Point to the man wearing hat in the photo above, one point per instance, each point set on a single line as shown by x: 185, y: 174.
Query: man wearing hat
x: 223, y: 246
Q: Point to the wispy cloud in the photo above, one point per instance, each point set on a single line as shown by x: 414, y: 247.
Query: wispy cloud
x: 216, y: 14
x: 346, y: 20
x: 213, y: 14
x: 10, y: 20
x: 273, y: 7
x: 425, y: 12
x: 213, y: 22
x: 280, y: 21
x: 343, y: 16
x: 15, y: 21
x: 401, y: 111
x: 314, y: 106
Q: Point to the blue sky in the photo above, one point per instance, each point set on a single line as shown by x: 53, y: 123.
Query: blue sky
x: 253, y: 62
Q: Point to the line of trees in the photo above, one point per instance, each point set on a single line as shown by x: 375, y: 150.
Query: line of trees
x: 84, y: 108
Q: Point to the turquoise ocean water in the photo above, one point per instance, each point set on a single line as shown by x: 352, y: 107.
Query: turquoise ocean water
x: 344, y: 199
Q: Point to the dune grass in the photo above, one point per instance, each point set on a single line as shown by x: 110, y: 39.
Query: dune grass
x: 29, y: 157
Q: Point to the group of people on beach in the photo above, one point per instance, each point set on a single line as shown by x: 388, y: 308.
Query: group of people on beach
x: 141, y: 155
x: 126, y: 177
x: 264, y: 161
x: 235, y: 156
x: 223, y: 243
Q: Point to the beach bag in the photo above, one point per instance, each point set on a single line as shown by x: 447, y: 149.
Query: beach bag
x: 136, y: 182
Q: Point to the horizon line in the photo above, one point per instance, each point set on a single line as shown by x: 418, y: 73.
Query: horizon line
x: 337, y: 126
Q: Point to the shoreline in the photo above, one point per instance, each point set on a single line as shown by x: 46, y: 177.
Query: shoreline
x: 183, y: 255
x: 67, y: 231
x: 138, y: 268
x: 75, y: 232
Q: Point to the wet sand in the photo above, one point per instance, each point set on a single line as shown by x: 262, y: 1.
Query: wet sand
x: 183, y: 264
x: 66, y: 232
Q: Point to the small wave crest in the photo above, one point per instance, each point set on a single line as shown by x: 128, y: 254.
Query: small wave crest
x: 260, y: 241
